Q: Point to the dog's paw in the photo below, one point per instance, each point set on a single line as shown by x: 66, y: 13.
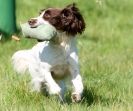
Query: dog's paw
x: 76, y: 97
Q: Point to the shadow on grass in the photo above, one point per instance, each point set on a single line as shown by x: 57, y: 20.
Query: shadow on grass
x: 88, y: 97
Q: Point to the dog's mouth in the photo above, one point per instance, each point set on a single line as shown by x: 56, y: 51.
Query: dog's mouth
x: 34, y: 38
x: 33, y: 26
x: 32, y: 23
x: 40, y: 40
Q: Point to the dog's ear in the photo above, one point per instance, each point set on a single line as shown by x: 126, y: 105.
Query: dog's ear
x: 72, y: 20
x: 55, y: 21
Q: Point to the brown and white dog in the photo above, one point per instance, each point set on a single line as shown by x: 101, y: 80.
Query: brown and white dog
x: 50, y: 62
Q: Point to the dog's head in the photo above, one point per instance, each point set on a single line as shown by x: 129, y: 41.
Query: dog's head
x: 44, y: 17
x: 67, y: 20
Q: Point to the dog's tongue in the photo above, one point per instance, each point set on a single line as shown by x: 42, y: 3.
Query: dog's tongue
x: 42, y: 32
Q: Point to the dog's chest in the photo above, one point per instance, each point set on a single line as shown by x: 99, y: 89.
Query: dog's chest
x: 61, y: 68
x: 57, y: 58
x: 51, y: 54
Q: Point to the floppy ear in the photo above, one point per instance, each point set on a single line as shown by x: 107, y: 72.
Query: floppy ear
x: 55, y: 21
x: 72, y: 21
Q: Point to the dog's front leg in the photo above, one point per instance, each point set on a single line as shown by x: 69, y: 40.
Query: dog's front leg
x: 52, y: 86
x: 76, y: 78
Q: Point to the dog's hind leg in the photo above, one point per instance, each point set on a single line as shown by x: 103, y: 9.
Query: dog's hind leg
x: 37, y: 77
x: 21, y: 60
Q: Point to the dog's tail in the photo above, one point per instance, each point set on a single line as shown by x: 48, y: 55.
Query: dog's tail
x: 20, y: 61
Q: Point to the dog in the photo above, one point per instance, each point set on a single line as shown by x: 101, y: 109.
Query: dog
x: 48, y: 62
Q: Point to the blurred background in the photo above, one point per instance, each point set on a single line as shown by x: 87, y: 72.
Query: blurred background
x: 105, y: 55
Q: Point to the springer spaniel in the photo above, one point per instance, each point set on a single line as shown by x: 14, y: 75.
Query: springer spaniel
x: 50, y: 62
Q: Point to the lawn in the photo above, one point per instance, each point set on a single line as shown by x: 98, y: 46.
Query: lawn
x: 105, y: 54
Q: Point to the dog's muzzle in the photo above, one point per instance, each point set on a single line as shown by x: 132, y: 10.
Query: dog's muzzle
x: 33, y: 23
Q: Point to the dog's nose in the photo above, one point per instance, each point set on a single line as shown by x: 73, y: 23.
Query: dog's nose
x: 32, y: 22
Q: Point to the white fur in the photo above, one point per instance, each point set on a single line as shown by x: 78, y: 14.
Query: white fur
x: 46, y: 57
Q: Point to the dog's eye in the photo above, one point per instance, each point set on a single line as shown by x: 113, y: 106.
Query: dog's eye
x: 46, y: 15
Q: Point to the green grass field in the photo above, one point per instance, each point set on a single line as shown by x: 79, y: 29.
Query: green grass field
x: 105, y: 54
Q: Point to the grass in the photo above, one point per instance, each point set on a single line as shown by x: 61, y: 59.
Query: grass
x: 105, y: 53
